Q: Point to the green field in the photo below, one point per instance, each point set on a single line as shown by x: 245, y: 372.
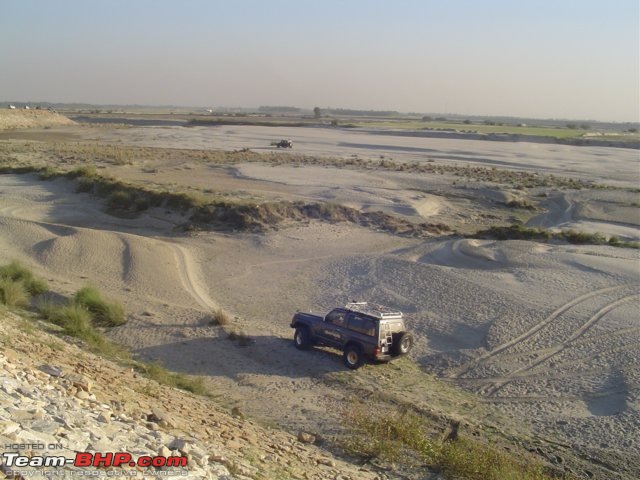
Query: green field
x: 555, y: 132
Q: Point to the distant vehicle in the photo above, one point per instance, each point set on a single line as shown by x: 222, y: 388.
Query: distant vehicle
x: 363, y: 331
x: 11, y: 107
x: 283, y: 144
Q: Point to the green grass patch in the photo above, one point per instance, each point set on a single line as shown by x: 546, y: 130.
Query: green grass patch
x: 393, y: 435
x: 473, y: 460
x: 13, y: 293
x: 156, y: 371
x: 17, y: 272
x: 555, y: 132
x: 76, y: 321
x: 104, y: 313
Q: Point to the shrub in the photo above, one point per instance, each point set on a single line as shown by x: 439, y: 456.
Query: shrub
x: 84, y: 185
x: 83, y: 171
x: 76, y: 322
x: 474, y: 460
x: 17, y: 272
x: 385, y: 433
x: 156, y: 371
x: 73, y: 318
x: 47, y: 173
x: 13, y: 293
x: 390, y: 433
x: 219, y: 317
x: 573, y: 236
x: 120, y: 200
x: 104, y: 313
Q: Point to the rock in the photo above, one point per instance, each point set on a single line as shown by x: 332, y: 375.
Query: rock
x: 163, y: 451
x: 326, y: 461
x: 82, y: 395
x: 7, y: 427
x: 51, y: 370
x: 181, y: 445
x: 104, y: 417
x: 81, y: 383
x: 237, y: 413
x: 233, y: 445
x: 305, y: 437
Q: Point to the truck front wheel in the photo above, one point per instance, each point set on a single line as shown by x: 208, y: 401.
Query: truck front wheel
x: 301, y: 338
x: 352, y: 357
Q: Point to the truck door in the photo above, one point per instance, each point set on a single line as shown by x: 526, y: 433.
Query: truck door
x: 332, y: 330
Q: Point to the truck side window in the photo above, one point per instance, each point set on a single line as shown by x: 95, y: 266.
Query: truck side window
x: 337, y: 318
x: 362, y: 325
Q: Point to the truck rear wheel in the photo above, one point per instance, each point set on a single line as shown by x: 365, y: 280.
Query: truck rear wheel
x: 302, y: 339
x: 352, y: 357
x: 402, y: 343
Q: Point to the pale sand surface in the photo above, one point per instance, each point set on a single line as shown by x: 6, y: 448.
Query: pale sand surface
x: 544, y: 338
x: 617, y: 166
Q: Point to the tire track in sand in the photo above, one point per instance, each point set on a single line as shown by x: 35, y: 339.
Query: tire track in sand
x: 184, y: 264
x: 553, y: 351
x: 533, y: 330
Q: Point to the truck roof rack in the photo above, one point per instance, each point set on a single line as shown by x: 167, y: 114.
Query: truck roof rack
x: 373, y: 310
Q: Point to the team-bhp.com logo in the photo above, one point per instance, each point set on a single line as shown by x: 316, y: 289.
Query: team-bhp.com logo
x: 86, y: 459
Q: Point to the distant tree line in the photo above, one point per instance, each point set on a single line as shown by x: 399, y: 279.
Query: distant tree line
x: 278, y: 109
x: 349, y: 111
x: 576, y: 126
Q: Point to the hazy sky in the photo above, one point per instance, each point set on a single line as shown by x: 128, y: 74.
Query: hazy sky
x: 576, y: 59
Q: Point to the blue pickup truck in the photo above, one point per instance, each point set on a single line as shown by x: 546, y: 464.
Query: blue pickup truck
x: 363, y: 331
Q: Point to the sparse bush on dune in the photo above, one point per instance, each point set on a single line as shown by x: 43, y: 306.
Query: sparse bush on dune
x: 519, y: 232
x: 156, y: 371
x: 120, y: 200
x: 13, y: 293
x: 72, y: 317
x: 76, y: 321
x: 17, y: 272
x: 104, y: 313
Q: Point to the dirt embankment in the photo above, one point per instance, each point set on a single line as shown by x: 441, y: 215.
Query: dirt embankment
x: 12, y: 119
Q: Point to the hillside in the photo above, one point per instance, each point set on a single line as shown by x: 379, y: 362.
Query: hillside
x: 12, y: 119
x: 55, y: 393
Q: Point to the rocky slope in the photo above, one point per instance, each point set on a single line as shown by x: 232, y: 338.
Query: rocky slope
x: 59, y: 396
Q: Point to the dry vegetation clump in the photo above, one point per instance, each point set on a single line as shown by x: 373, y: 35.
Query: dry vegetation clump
x: 219, y: 317
x: 393, y: 435
x: 519, y: 232
x: 268, y: 215
x: 242, y: 339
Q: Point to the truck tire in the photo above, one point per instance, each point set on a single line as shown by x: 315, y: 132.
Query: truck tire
x: 352, y: 357
x: 301, y: 338
x: 402, y: 344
